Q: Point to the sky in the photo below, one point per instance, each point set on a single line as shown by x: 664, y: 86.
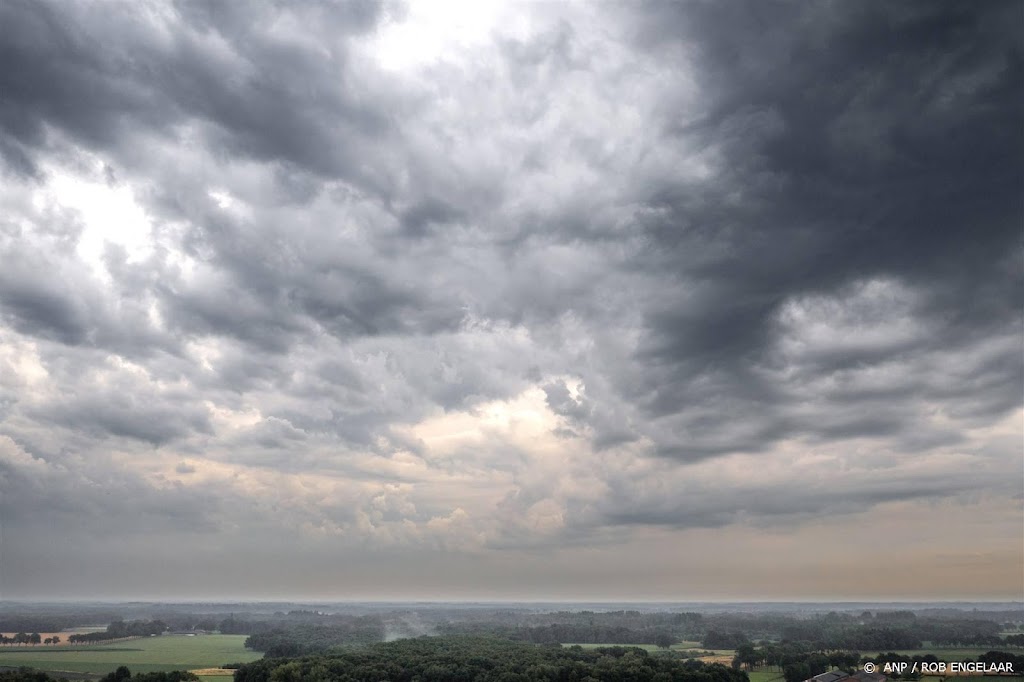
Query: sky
x: 530, y: 300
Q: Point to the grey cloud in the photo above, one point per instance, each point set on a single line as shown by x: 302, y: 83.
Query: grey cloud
x: 429, y: 213
x: 690, y: 506
x: 41, y: 493
x: 45, y: 311
x: 126, y: 415
x: 562, y: 402
x: 274, y: 433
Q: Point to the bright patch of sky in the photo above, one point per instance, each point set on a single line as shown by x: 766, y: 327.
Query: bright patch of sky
x: 427, y: 32
x: 109, y: 212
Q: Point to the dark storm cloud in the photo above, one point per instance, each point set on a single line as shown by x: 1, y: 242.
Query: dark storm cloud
x: 100, y: 77
x: 855, y: 142
x: 932, y: 196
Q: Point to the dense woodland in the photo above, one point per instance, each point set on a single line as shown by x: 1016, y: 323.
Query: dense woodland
x: 298, y: 634
x: 305, y: 638
x: 462, y: 658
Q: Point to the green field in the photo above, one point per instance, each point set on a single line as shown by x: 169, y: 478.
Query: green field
x: 146, y: 654
x: 587, y: 645
x: 764, y: 676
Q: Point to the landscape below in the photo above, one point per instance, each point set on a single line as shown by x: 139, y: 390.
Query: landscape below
x: 513, y: 643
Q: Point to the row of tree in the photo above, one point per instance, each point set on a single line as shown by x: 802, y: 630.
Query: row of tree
x: 783, y: 654
x: 122, y: 674
x: 28, y: 638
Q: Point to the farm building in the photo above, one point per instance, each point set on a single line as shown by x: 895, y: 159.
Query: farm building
x: 839, y: 676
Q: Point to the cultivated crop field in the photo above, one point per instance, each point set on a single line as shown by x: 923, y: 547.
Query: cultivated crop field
x: 145, y: 654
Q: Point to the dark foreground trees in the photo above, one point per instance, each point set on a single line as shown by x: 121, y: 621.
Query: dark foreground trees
x: 123, y: 674
x: 465, y: 659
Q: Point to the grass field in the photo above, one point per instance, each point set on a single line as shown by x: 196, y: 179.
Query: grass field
x: 146, y: 654
x: 764, y: 676
x: 645, y: 647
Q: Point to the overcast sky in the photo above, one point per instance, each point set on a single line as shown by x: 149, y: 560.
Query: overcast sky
x: 574, y: 300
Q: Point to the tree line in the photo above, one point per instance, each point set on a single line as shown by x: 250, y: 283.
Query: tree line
x: 122, y: 674
x: 119, y: 629
x: 821, y: 634
x: 576, y: 633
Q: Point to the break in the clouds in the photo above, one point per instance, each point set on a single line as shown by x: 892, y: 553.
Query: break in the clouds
x: 599, y: 300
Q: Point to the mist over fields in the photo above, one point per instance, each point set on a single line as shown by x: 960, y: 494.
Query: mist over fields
x: 494, y: 302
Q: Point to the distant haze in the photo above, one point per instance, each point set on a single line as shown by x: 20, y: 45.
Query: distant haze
x: 673, y: 301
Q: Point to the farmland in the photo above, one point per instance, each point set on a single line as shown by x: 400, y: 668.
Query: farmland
x: 145, y: 654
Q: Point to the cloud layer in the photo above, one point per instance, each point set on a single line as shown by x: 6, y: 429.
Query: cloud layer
x: 402, y: 303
